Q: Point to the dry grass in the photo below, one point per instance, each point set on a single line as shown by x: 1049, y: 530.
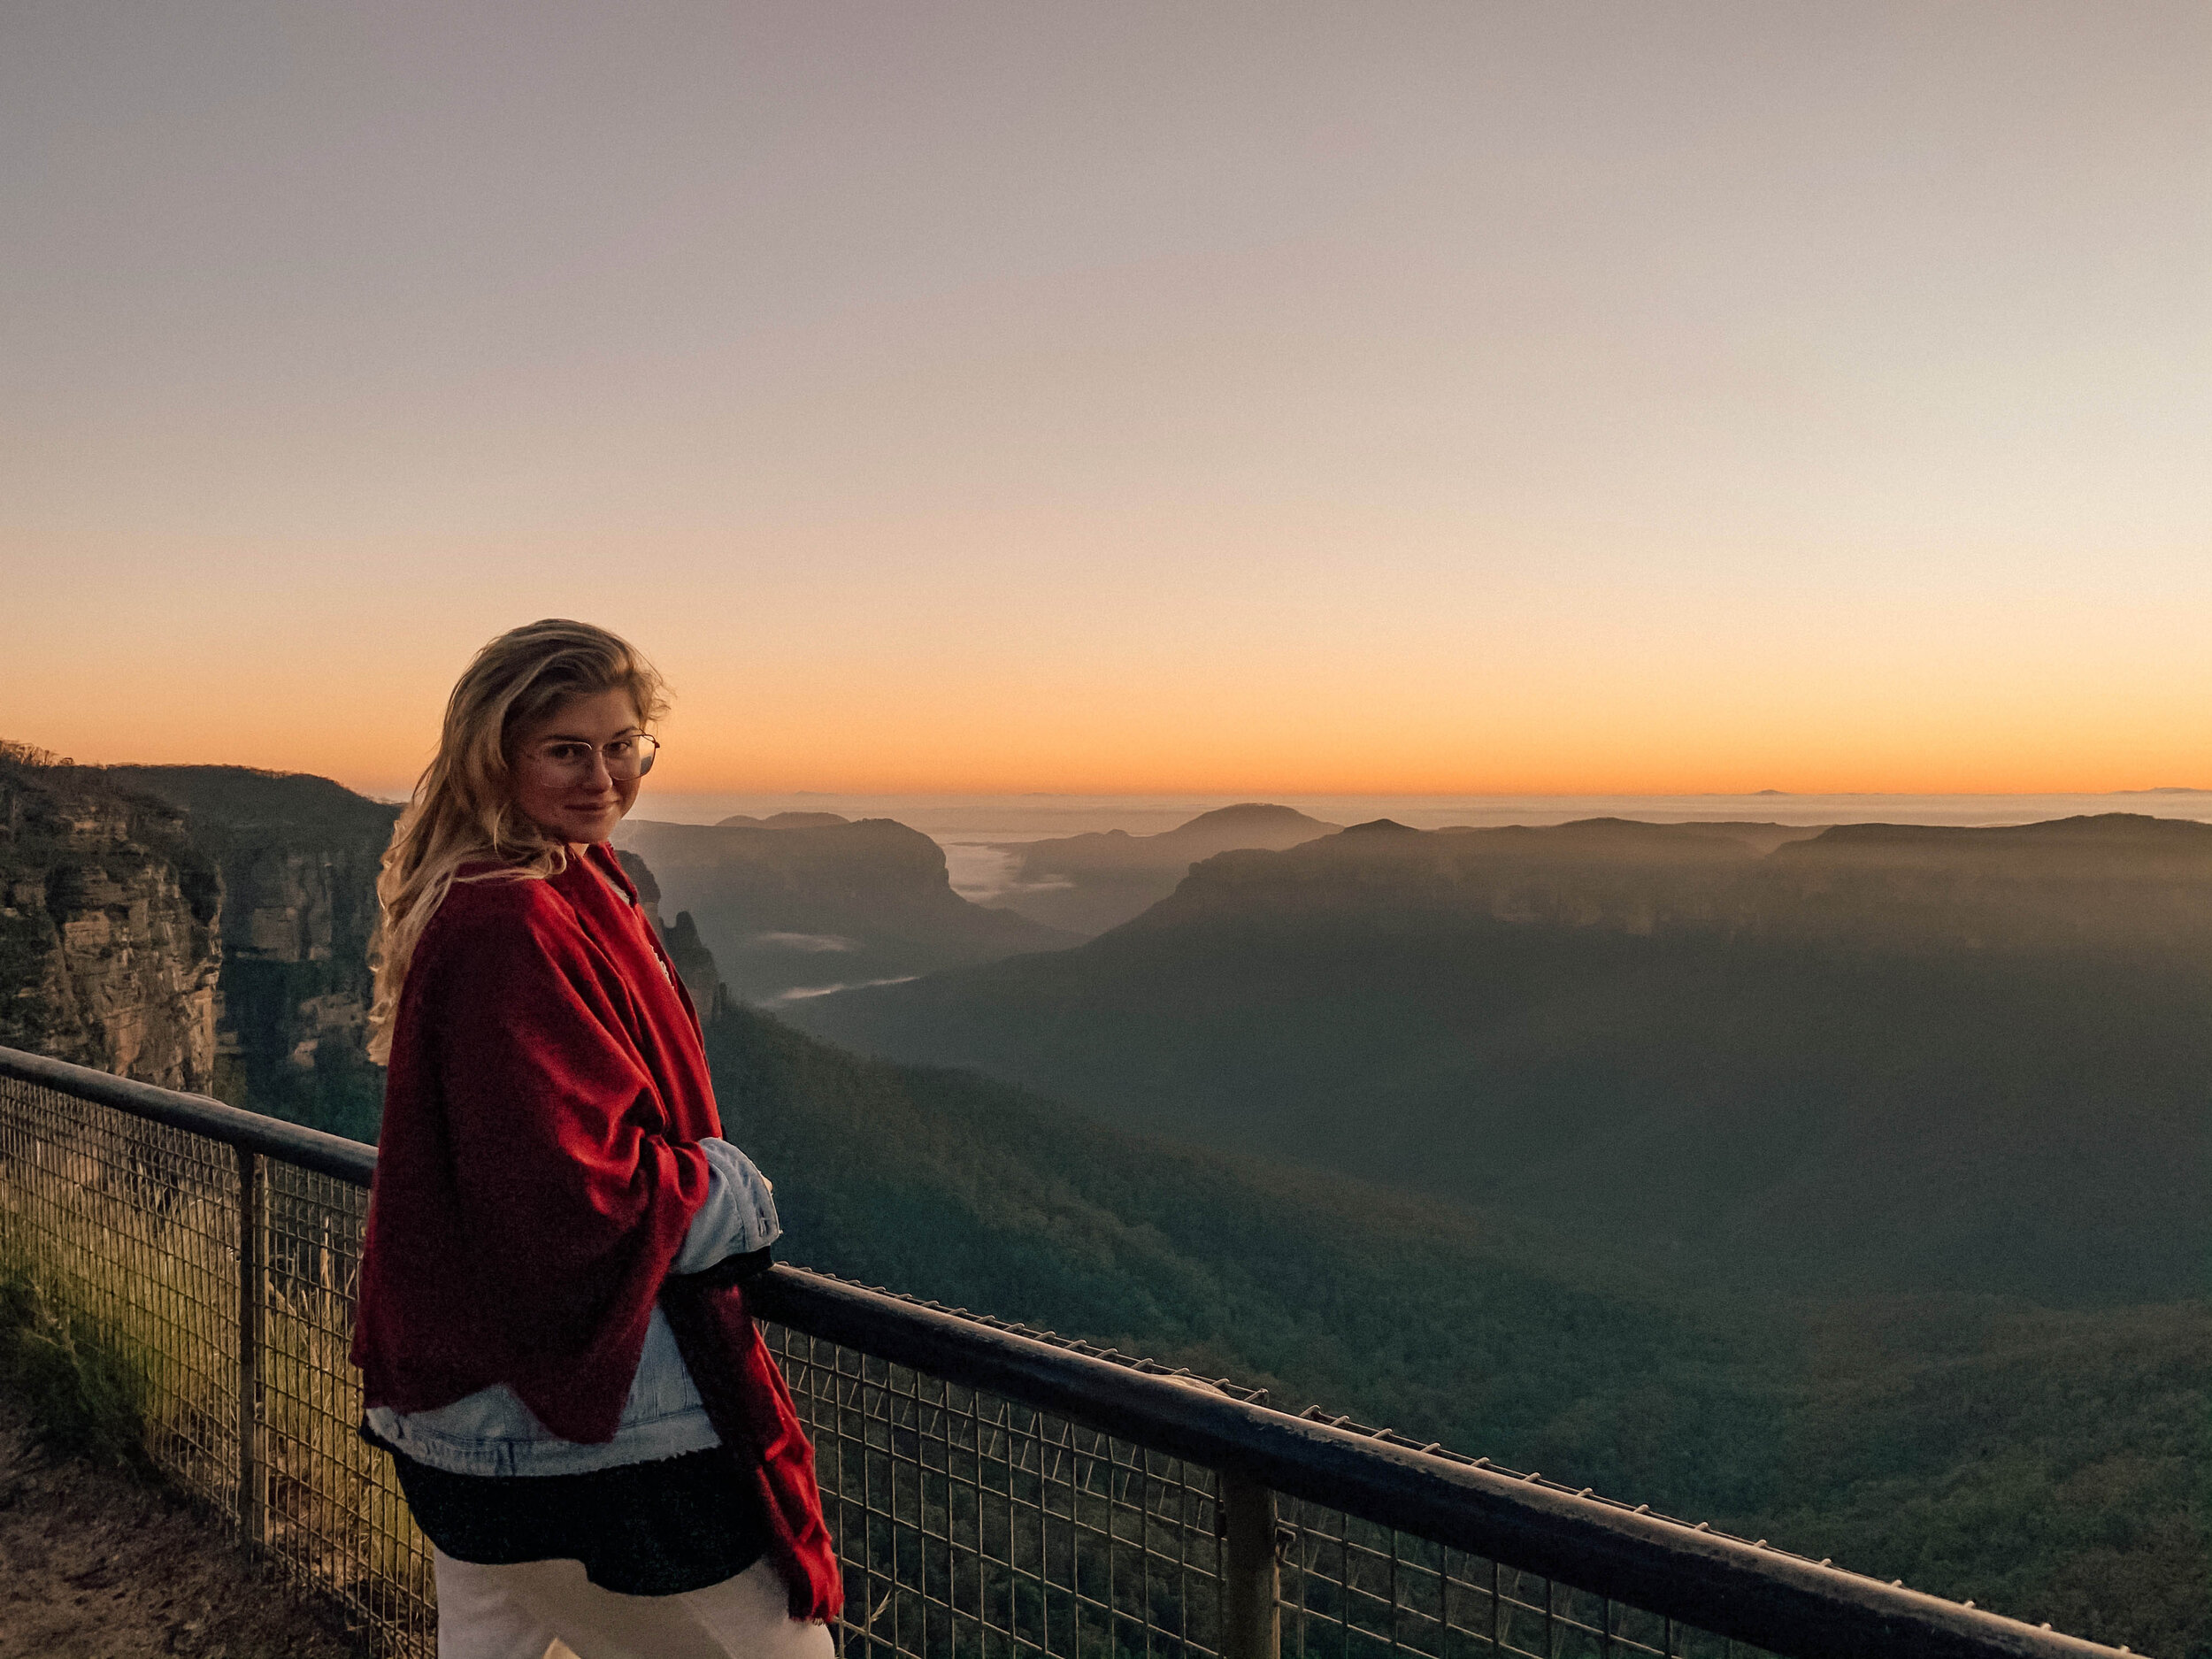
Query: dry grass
x: 120, y: 1298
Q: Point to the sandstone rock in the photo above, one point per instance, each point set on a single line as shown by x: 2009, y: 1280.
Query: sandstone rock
x: 109, y: 953
x: 298, y: 856
x: 694, y: 963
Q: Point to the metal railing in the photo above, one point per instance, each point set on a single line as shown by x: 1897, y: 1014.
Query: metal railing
x: 996, y: 1492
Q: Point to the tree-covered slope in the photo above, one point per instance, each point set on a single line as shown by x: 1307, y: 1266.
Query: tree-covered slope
x: 2050, y: 1463
x: 947, y: 1185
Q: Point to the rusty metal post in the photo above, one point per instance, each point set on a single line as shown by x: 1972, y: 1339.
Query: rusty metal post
x: 251, y: 1304
x: 1251, y: 1619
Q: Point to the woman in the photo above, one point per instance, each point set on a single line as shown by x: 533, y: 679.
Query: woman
x: 552, y: 1327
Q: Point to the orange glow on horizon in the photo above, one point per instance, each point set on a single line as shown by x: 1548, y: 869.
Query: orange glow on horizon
x: 1247, y: 680
x: 896, y: 752
x: 1436, y: 401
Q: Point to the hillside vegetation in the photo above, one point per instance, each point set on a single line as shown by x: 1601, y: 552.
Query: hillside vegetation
x: 2050, y: 1463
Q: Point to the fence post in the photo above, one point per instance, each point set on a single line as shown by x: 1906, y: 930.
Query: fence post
x: 1251, y: 1620
x: 251, y: 1515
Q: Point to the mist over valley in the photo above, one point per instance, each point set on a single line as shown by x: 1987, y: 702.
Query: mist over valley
x: 793, y: 909
x: 1090, y: 882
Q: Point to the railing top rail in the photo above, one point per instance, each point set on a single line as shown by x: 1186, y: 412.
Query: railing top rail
x: 1727, y: 1585
x: 311, y: 1149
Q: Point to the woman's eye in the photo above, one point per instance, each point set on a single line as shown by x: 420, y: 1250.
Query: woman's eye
x: 619, y: 747
x: 567, y: 752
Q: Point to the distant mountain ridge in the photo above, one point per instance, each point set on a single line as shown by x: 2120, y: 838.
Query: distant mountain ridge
x: 782, y: 820
x: 1091, y: 882
x: 1879, y: 1056
x: 2116, y: 878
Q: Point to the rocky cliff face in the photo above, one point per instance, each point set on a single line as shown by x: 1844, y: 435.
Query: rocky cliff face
x: 790, y: 912
x: 298, y: 856
x: 108, y: 953
x: 208, y: 928
x: 694, y: 963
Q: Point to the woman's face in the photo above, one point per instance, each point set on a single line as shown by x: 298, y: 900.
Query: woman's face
x: 560, y: 773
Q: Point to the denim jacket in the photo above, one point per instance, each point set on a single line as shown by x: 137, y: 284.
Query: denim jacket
x: 492, y: 1432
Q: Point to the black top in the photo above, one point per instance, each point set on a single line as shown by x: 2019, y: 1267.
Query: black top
x: 659, y: 1528
x: 640, y: 1529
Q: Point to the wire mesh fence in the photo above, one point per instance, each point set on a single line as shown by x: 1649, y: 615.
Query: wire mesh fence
x: 334, y: 1516
x: 972, y: 1525
x: 129, y: 1231
x: 971, y: 1522
x: 1354, y: 1590
x: 129, y: 1235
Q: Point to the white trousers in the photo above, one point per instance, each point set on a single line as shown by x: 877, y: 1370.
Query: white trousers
x: 548, y: 1610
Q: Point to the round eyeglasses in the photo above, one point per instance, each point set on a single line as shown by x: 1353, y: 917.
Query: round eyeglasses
x: 625, y: 757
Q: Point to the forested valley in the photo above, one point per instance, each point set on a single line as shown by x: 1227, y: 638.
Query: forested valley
x: 1845, y: 1196
x: 2049, y: 1463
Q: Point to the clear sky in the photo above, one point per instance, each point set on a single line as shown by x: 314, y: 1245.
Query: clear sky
x: 1373, y: 395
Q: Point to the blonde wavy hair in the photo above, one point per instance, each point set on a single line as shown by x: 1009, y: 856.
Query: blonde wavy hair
x: 463, y: 811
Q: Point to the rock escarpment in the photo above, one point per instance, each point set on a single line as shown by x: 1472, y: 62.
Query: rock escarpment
x: 208, y: 928
x: 298, y: 856
x: 694, y: 963
x: 109, y: 952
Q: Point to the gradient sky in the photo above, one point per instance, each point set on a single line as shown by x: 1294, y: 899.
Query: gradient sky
x: 1289, y: 397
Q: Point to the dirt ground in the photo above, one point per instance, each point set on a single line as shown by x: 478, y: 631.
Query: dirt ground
x: 96, y: 1564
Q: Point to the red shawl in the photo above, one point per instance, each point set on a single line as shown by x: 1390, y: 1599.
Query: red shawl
x: 538, y: 1169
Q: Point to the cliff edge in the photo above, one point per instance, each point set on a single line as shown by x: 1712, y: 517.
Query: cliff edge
x: 108, y: 915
